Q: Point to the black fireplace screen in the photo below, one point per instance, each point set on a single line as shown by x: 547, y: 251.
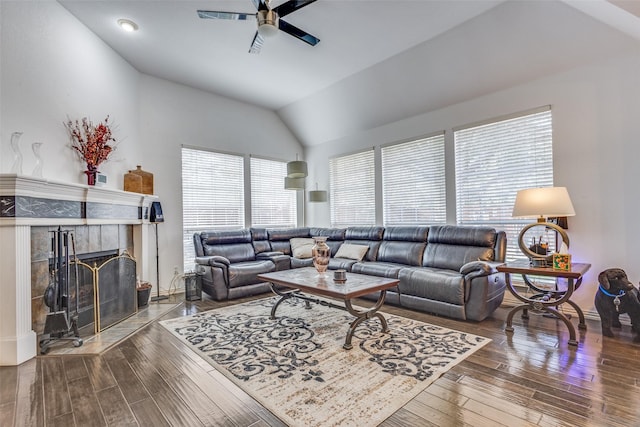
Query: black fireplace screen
x: 107, y: 292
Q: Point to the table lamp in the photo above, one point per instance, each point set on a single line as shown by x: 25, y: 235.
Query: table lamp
x: 542, y: 203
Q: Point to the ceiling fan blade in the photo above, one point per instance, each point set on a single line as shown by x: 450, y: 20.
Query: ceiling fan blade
x: 212, y: 14
x: 291, y: 6
x: 297, y: 33
x: 256, y: 44
x: 260, y: 4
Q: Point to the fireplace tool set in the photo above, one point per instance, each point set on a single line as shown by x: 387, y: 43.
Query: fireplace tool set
x: 61, y: 323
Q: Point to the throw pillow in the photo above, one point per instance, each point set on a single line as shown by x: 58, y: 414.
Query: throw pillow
x: 351, y: 251
x: 301, y: 247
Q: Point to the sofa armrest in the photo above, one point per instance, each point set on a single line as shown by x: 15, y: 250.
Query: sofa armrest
x: 214, y: 261
x: 478, y: 269
x: 268, y: 255
x: 218, y: 262
x: 281, y: 261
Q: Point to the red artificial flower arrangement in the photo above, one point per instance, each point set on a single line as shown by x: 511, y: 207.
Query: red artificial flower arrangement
x: 93, y: 143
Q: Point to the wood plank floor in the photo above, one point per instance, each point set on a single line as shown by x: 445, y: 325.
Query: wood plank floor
x: 528, y: 378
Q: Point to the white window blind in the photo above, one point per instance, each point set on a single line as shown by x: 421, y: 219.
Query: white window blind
x: 271, y: 205
x: 494, y: 161
x: 212, y: 195
x: 352, y: 189
x: 413, y: 182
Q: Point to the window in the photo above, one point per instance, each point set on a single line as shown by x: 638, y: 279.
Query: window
x: 352, y: 189
x: 413, y: 182
x: 212, y: 195
x: 271, y: 205
x: 495, y: 160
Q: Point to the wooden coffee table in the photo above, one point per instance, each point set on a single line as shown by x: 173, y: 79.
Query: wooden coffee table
x: 303, y: 281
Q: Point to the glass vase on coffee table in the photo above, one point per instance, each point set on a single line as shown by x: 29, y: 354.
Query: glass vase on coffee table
x: 321, y: 253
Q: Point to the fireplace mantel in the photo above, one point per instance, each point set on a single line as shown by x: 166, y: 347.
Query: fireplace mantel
x: 36, y: 201
x: 28, y: 201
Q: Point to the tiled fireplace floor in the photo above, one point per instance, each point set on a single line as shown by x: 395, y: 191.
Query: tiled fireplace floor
x: 97, y: 343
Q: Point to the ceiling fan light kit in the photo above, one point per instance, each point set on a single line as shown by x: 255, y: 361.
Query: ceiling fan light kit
x: 268, y: 20
x: 267, y: 23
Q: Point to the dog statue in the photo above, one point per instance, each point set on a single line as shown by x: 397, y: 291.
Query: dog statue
x: 617, y: 295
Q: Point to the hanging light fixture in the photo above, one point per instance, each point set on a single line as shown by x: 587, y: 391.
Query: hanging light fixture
x: 293, y: 183
x: 317, y: 196
x: 297, y: 168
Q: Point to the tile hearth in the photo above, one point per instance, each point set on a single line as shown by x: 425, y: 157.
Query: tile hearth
x: 100, y: 342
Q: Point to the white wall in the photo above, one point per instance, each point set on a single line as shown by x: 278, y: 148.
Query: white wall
x: 52, y: 67
x: 173, y: 115
x: 595, y: 136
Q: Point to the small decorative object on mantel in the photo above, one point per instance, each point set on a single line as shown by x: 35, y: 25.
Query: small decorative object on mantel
x: 132, y: 182
x: 93, y: 143
x: 147, y: 180
x: 17, y: 154
x: 37, y: 170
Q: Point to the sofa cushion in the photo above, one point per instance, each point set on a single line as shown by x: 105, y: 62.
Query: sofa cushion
x: 244, y: 273
x: 450, y: 247
x: 235, y: 245
x: 235, y: 252
x: 381, y: 269
x: 433, y: 283
x: 364, y: 233
x: 260, y: 240
x: 406, y: 234
x: 351, y: 251
x: 403, y: 245
x: 407, y: 253
x: 279, y: 238
x: 329, y: 233
x: 341, y: 263
x: 302, y: 262
x: 301, y: 247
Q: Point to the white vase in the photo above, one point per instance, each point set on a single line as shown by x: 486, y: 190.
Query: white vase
x: 37, y: 170
x: 17, y: 154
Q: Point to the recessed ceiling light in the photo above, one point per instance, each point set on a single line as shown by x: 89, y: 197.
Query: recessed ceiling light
x: 128, y: 25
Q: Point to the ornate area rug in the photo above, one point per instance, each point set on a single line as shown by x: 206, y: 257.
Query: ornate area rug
x: 296, y: 367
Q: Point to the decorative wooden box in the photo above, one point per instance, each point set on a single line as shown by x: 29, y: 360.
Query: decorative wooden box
x: 132, y: 182
x: 562, y: 262
x: 147, y: 180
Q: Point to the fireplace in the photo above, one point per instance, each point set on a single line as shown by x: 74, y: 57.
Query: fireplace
x: 114, y: 278
x: 102, y: 219
x: 84, y: 274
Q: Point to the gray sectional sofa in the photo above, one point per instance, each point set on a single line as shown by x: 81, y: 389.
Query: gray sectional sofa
x: 445, y: 270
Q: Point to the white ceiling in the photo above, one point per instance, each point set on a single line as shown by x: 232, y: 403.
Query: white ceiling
x: 212, y: 55
x: 362, y: 41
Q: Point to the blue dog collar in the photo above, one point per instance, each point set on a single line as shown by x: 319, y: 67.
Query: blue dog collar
x: 609, y: 294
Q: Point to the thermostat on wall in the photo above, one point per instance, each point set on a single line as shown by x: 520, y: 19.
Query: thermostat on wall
x: 101, y: 179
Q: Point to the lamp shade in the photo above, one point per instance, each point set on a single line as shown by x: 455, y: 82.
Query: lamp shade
x: 317, y: 196
x: 297, y: 169
x: 543, y: 203
x: 293, y: 183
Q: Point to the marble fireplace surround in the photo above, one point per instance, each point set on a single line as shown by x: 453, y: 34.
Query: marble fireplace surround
x: 27, y: 202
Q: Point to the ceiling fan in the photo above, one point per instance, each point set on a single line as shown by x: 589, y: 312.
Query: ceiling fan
x: 268, y: 20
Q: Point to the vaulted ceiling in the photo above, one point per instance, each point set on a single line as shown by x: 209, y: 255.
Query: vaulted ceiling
x: 377, y: 60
